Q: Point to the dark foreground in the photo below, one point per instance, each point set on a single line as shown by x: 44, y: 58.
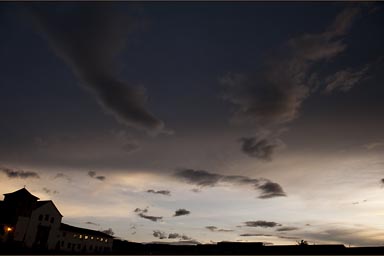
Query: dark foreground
x: 222, y: 248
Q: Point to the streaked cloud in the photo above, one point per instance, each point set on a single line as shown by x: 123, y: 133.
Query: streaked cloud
x: 11, y: 173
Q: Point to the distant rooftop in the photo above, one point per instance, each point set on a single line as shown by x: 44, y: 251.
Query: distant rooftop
x: 74, y: 229
x: 21, y: 193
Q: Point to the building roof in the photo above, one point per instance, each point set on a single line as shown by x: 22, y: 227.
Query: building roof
x: 21, y: 193
x: 66, y: 227
x: 41, y: 203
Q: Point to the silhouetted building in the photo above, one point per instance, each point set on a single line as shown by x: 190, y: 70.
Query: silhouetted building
x: 31, y: 223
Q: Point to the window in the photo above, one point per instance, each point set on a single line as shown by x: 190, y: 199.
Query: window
x: 74, y: 235
x: 40, y: 217
x: 106, y: 240
x: 101, y: 239
x: 85, y: 237
x: 46, y: 217
x: 81, y: 236
x: 52, y: 219
x: 91, y: 237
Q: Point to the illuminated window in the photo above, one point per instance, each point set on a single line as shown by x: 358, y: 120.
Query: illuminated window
x: 97, y: 238
x: 101, y: 239
x: 85, y: 237
x: 106, y: 240
x: 81, y: 236
x: 91, y: 237
x: 74, y: 235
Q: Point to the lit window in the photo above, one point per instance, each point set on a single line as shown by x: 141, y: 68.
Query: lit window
x: 85, y: 237
x: 80, y: 236
x: 101, y: 239
x: 91, y: 237
x: 74, y: 235
x: 97, y: 238
x: 106, y: 240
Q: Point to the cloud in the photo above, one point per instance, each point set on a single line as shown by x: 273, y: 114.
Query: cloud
x: 181, y: 212
x: 272, y: 95
x: 11, y: 173
x: 203, y: 178
x: 216, y: 229
x: 142, y: 214
x: 271, y: 189
x: 262, y: 224
x: 259, y: 147
x: 257, y: 234
x: 286, y: 229
x: 62, y: 176
x: 92, y: 174
x: 91, y: 51
x: 373, y: 145
x: 49, y: 191
x: 161, y: 192
x: 92, y: 223
x: 159, y: 234
x: 344, y: 80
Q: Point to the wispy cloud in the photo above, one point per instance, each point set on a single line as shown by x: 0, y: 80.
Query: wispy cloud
x: 11, y: 173
x: 92, y: 174
x: 142, y: 213
x: 203, y: 178
x: 160, y: 192
x: 344, y: 80
x: 216, y: 229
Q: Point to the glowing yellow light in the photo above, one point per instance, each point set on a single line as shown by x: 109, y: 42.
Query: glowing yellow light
x: 9, y: 229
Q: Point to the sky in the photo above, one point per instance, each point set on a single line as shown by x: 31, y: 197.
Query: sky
x: 198, y: 122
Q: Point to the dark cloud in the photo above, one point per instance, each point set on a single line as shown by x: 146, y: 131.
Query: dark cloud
x: 108, y: 232
x: 382, y: 181
x: 92, y: 174
x: 272, y: 95
x: 344, y: 80
x: 211, y: 228
x: 262, y: 224
x: 271, y: 189
x: 216, y: 229
x: 92, y: 223
x: 161, y: 192
x: 259, y: 147
x: 159, y: 234
x: 257, y: 234
x: 91, y: 51
x: 199, y: 177
x: 11, y: 173
x: 203, y: 178
x: 181, y: 212
x: 286, y: 229
x: 50, y: 191
x: 142, y: 214
x: 100, y: 178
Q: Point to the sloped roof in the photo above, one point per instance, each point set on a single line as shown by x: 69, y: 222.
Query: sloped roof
x: 66, y: 227
x: 41, y: 203
x: 22, y: 193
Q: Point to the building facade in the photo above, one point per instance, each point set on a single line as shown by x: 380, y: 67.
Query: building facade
x: 29, y: 222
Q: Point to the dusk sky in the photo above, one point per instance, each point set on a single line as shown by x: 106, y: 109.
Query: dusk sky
x: 187, y: 122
